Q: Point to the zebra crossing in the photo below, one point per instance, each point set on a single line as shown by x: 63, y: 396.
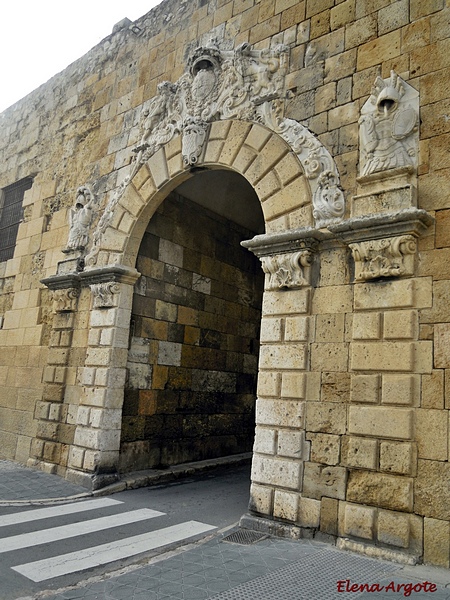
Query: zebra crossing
x: 117, y: 548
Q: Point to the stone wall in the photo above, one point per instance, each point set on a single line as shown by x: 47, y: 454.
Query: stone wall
x: 352, y: 438
x: 193, y: 356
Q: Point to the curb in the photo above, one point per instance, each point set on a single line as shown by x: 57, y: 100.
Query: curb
x: 138, y: 479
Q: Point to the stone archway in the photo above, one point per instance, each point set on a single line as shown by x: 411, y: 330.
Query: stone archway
x: 276, y: 174
x: 225, y: 117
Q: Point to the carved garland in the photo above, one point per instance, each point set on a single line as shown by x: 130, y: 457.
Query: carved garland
x: 243, y: 84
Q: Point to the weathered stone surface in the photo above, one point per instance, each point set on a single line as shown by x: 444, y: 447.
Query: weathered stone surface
x: 326, y: 418
x: 432, y: 491
x: 365, y: 388
x: 393, y: 528
x: 377, y: 489
x: 398, y: 457
x: 329, y: 516
x: 322, y: 480
x: 359, y: 521
x: 277, y: 472
x: 436, y: 550
x: 381, y: 422
x: 309, y: 512
x: 359, y: 452
x: 325, y: 448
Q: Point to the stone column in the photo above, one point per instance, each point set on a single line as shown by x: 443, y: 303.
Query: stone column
x: 94, y: 455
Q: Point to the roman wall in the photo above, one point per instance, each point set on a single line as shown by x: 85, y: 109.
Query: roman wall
x: 342, y: 132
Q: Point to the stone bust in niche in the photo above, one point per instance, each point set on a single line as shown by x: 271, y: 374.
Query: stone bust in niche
x: 389, y: 127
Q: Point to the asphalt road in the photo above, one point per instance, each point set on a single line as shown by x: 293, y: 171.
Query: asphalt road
x: 37, y: 548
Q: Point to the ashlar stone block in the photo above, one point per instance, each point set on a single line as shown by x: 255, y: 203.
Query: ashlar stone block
x: 400, y: 389
x: 398, y: 457
x: 285, y: 505
x: 296, y: 329
x: 393, y: 529
x: 384, y: 294
x: 335, y: 387
x: 309, y: 512
x: 293, y: 385
x: 291, y: 443
x: 265, y: 441
x: 322, y: 481
x: 432, y: 491
x: 292, y: 356
x: 436, y: 536
x: 365, y: 388
x: 268, y: 383
x: 381, y: 422
x: 359, y: 521
x: 432, y: 434
x: 359, y: 452
x: 276, y: 472
x: 326, y: 417
x: 382, y: 356
x: 281, y: 413
x: 329, y: 519
x: 367, y: 326
x: 261, y: 498
x: 325, y: 448
x: 378, y: 489
x: 442, y: 345
x: 400, y: 324
x: 330, y: 328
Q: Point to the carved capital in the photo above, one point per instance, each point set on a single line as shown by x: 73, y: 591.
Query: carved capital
x: 387, y: 257
x: 103, y: 294
x: 65, y: 300
x: 287, y: 270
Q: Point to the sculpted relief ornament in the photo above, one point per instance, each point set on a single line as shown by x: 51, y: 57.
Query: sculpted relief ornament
x: 389, y: 127
x: 243, y: 84
x: 80, y: 218
x: 389, y: 257
x: 287, y: 270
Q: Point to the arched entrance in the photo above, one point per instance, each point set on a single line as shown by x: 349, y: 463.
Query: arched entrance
x: 194, y: 337
x: 288, y: 200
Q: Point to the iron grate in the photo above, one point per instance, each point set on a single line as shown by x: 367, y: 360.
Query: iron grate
x: 244, y: 537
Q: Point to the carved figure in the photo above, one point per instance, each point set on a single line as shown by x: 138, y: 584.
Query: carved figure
x: 80, y: 218
x: 384, y: 130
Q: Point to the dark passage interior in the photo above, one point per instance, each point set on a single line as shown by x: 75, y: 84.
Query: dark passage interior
x: 194, y: 340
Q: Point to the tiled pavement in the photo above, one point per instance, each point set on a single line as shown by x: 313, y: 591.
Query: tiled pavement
x: 215, y: 569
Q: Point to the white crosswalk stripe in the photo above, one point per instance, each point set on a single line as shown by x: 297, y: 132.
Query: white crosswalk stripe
x: 56, y: 511
x: 91, y: 556
x: 42, y: 570
x: 46, y: 536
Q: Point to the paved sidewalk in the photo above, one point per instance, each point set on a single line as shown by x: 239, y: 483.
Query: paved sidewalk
x: 270, y: 569
x: 248, y: 566
x: 22, y: 485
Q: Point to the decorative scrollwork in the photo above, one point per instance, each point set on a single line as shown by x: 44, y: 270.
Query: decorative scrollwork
x: 287, y: 270
x: 103, y: 294
x: 65, y: 300
x: 387, y: 257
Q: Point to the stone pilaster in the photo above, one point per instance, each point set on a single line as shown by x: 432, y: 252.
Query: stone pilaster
x: 94, y: 454
x: 50, y: 446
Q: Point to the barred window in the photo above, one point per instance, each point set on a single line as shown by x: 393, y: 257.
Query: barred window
x: 11, y: 213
